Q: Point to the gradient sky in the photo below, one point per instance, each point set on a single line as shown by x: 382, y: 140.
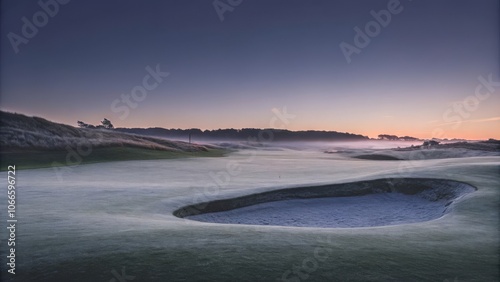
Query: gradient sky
x: 265, y: 54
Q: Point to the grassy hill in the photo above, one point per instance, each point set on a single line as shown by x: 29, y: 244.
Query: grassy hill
x: 32, y: 142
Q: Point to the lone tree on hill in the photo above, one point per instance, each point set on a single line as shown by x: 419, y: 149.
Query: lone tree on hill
x: 82, y: 124
x: 107, y: 124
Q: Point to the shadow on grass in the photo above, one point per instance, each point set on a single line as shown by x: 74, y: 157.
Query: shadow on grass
x: 52, y: 158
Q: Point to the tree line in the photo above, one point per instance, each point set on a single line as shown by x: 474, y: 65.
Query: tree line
x: 396, y: 138
x: 245, y: 134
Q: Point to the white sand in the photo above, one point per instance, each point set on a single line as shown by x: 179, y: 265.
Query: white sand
x: 359, y: 211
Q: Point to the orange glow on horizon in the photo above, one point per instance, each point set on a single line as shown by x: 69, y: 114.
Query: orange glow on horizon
x: 468, y: 131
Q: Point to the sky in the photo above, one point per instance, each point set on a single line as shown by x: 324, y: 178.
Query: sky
x: 430, y: 70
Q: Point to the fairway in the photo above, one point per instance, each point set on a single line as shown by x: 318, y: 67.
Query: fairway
x: 99, y: 225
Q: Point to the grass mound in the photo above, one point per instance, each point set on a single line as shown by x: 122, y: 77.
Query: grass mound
x: 34, y: 142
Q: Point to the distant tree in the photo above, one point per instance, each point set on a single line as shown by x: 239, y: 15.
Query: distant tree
x: 408, y: 138
x: 430, y: 143
x: 388, y: 137
x: 433, y: 143
x: 82, y: 124
x: 107, y: 124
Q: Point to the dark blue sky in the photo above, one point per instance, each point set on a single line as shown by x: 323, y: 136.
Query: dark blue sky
x: 265, y: 54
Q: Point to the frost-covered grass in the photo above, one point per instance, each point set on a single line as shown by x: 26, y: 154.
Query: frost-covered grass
x: 118, y: 216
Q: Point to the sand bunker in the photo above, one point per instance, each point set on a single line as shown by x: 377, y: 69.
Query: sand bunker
x: 359, y: 204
